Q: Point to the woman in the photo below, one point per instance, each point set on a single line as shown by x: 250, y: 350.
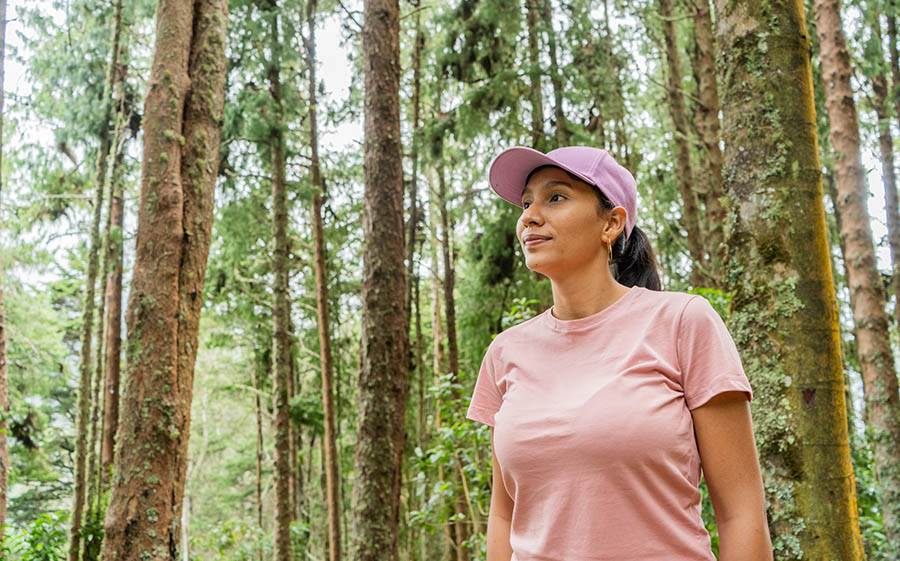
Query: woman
x: 605, y: 406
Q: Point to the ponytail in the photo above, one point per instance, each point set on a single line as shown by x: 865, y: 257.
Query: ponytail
x: 634, y: 260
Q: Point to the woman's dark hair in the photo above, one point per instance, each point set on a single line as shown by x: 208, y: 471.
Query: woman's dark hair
x: 633, y: 259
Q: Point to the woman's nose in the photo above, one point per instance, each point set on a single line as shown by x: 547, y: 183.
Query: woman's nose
x: 531, y: 215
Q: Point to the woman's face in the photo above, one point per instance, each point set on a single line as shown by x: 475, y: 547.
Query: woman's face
x: 565, y: 213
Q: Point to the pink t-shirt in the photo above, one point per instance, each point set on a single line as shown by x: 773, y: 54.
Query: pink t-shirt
x: 594, y: 433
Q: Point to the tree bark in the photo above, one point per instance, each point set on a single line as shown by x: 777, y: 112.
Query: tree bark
x: 867, y: 297
x: 684, y: 174
x: 182, y: 130
x: 84, y: 397
x: 329, y: 443
x: 383, y: 377
x: 707, y: 119
x: 784, y: 310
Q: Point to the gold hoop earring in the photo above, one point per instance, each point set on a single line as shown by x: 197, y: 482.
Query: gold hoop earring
x: 609, y: 258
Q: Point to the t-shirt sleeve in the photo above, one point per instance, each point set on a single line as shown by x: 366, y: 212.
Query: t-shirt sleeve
x: 486, y: 397
x: 707, y: 356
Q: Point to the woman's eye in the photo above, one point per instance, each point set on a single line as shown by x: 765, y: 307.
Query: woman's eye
x: 553, y: 196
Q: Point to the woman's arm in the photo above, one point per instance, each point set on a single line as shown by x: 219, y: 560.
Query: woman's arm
x: 724, y: 432
x: 498, y: 548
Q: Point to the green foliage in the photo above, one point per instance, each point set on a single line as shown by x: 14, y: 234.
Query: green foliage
x: 868, y: 497
x: 43, y: 540
x: 41, y: 395
x: 306, y: 411
x: 234, y: 539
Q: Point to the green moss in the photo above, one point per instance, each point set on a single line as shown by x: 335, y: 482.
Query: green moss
x: 171, y: 135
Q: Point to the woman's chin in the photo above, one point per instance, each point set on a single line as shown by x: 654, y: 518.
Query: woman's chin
x: 539, y: 265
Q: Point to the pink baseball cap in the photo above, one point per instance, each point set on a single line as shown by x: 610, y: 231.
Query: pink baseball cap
x: 594, y: 166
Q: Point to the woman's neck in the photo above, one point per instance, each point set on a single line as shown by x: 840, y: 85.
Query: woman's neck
x: 578, y: 296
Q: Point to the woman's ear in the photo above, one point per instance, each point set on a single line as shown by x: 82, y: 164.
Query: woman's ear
x: 615, y: 221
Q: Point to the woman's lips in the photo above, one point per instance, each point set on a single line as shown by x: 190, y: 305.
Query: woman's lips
x: 536, y: 241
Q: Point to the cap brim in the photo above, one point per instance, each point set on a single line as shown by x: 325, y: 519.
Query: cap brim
x: 510, y: 169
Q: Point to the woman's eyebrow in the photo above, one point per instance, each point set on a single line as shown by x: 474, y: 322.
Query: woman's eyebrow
x: 551, y: 183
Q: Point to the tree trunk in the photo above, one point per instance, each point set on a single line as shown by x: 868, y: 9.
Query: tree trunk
x: 182, y: 116
x: 84, y: 404
x: 281, y: 336
x: 329, y: 443
x: 297, y: 469
x: 4, y: 375
x: 111, y: 238
x: 291, y: 393
x: 90, y: 549
x: 867, y: 297
x: 891, y: 217
x: 414, y: 215
x: 382, y: 383
x: 683, y: 172
x: 532, y: 10
x: 437, y: 332
x: 416, y: 220
x: 784, y: 309
x: 888, y: 171
x: 412, y: 294
x: 113, y: 296
x: 707, y: 119
x: 621, y: 147
x: 562, y: 125
x: 259, y: 457
x: 460, y: 526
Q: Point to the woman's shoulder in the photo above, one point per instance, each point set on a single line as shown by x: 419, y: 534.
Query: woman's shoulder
x: 663, y: 302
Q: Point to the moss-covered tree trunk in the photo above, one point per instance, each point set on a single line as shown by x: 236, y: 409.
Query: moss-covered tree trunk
x: 706, y: 117
x: 867, y: 295
x: 383, y: 376
x: 690, y: 209
x: 4, y: 372
x: 182, y: 128
x: 532, y: 11
x: 329, y: 443
x: 784, y: 309
x: 84, y: 396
